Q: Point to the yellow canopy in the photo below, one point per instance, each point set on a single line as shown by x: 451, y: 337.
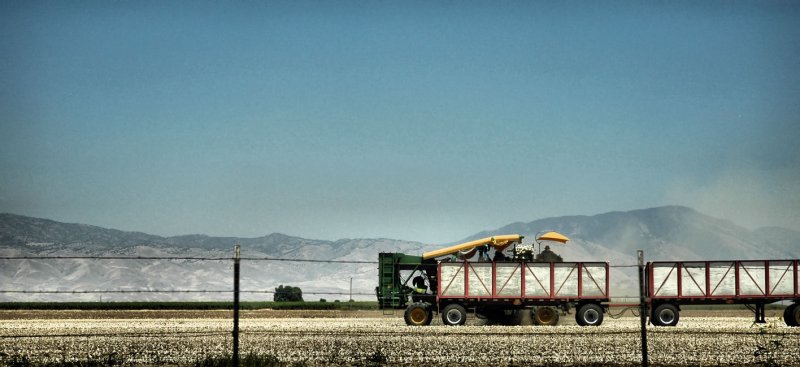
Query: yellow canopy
x: 498, y: 242
x: 553, y: 236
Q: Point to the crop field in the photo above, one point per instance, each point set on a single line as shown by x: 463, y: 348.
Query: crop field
x: 369, y: 338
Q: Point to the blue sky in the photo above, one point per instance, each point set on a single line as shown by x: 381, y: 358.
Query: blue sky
x: 425, y: 121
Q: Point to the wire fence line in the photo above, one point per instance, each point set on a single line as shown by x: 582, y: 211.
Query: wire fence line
x: 216, y: 259
x: 184, y: 258
x: 172, y: 291
x: 179, y: 291
x: 193, y: 258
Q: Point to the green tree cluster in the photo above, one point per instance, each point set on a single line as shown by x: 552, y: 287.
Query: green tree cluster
x: 288, y: 294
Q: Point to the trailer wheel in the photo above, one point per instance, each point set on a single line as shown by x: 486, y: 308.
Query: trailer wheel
x: 545, y: 316
x: 418, y: 314
x: 665, y: 315
x: 454, y: 314
x: 791, y: 315
x: 589, y: 314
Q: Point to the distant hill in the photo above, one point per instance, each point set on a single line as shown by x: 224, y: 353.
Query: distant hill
x: 27, y: 236
x: 664, y: 233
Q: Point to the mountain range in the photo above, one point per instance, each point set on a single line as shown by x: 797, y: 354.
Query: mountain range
x: 664, y: 233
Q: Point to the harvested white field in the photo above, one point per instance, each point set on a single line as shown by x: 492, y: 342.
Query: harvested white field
x: 707, y: 341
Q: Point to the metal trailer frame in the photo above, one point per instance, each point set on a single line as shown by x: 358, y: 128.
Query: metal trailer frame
x: 671, y: 284
x: 517, y: 285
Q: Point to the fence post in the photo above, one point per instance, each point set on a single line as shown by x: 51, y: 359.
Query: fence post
x: 235, y: 357
x: 643, y: 307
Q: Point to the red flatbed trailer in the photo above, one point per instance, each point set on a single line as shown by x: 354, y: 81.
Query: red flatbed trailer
x: 671, y: 284
x: 495, y: 286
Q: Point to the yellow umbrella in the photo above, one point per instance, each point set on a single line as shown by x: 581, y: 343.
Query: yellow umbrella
x: 553, y: 236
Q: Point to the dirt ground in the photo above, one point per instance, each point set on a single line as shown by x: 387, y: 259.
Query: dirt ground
x: 149, y: 338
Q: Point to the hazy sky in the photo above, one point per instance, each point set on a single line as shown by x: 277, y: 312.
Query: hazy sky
x: 425, y: 121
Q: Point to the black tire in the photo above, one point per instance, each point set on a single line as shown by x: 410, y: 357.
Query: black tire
x: 589, y: 314
x: 454, y: 314
x: 665, y: 315
x: 418, y: 314
x: 791, y: 315
x: 545, y: 316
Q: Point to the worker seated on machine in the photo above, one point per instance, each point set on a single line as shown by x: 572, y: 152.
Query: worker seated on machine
x: 419, y: 284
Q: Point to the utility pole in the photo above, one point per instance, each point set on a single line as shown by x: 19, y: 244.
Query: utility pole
x: 351, y: 289
x: 235, y: 361
x: 643, y: 308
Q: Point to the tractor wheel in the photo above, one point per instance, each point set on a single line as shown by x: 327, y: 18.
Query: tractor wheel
x: 418, y: 314
x: 454, y: 314
x: 545, y: 316
x: 665, y: 315
x: 589, y: 314
x: 791, y: 315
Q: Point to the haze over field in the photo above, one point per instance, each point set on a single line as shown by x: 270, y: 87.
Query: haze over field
x: 423, y: 121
